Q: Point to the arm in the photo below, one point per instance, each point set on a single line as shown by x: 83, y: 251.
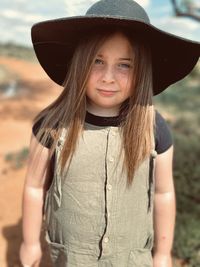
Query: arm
x: 164, y: 209
x: 34, y: 189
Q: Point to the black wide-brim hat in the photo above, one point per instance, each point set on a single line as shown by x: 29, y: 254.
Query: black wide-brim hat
x: 55, y: 41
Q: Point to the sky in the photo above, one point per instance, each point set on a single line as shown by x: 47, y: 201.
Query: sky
x: 18, y: 16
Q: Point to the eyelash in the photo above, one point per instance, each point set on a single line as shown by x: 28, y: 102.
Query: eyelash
x: 97, y: 61
x: 123, y: 65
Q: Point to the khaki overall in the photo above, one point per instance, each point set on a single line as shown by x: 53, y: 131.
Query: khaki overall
x: 92, y: 219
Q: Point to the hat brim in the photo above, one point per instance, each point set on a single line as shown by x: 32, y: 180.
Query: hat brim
x: 54, y: 43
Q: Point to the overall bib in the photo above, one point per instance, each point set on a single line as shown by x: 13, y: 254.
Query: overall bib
x: 92, y: 219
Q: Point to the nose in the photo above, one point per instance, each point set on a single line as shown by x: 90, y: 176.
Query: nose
x: 108, y: 75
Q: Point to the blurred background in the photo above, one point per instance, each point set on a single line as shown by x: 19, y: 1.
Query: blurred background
x: 25, y: 90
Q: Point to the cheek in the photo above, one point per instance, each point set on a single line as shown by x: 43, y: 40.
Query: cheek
x: 94, y: 75
x: 92, y: 80
x: 126, y: 83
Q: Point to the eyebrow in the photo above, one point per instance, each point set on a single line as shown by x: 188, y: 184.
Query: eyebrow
x: 121, y: 58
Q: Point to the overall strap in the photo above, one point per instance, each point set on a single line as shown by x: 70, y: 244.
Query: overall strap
x: 152, y: 158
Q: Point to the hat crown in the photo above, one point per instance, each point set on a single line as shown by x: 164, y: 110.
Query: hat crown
x: 119, y: 8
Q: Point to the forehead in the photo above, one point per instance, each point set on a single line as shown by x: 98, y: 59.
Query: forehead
x: 116, y: 43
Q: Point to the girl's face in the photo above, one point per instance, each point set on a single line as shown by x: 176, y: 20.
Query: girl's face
x: 110, y: 80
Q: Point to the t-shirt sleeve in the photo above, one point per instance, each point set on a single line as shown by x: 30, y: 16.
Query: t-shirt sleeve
x: 163, y: 136
x: 35, y: 129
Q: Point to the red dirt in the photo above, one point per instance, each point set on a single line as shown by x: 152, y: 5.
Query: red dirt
x: 16, y: 115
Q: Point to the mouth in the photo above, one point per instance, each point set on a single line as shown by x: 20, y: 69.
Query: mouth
x: 107, y: 92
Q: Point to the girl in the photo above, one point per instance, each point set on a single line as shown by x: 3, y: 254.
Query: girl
x: 100, y: 162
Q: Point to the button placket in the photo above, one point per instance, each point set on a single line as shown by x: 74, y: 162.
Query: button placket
x: 109, y: 189
x: 109, y: 198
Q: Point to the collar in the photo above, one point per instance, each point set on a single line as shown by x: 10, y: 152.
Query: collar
x: 102, y: 121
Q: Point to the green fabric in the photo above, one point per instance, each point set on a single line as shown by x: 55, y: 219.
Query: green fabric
x: 92, y: 219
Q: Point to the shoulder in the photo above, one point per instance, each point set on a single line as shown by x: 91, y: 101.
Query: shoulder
x: 37, y: 125
x: 163, y: 135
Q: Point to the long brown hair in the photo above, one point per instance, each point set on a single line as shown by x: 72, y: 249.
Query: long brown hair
x: 69, y: 109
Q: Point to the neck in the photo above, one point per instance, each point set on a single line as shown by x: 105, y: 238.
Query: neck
x: 103, y: 112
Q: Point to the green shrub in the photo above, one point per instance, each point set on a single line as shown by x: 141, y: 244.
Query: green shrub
x: 17, y: 159
x: 187, y: 236
x: 182, y: 102
x: 17, y: 51
x: 186, y: 178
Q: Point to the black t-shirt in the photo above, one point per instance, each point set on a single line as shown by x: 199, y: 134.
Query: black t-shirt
x: 163, y: 137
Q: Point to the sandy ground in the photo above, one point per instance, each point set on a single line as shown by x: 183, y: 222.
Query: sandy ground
x: 16, y: 115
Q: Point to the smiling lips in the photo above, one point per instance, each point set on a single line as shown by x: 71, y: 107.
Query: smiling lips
x: 106, y: 92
